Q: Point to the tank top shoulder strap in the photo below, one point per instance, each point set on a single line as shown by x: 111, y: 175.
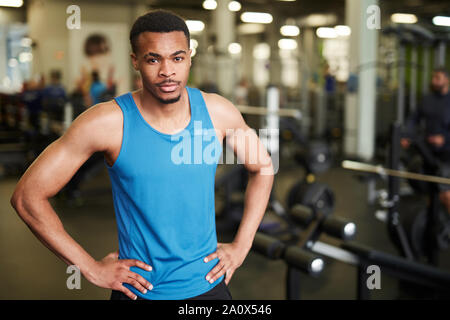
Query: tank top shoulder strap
x: 125, y: 102
x: 195, y: 96
x: 198, y: 105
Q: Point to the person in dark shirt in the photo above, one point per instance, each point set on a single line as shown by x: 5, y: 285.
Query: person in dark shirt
x: 54, y: 96
x: 434, y: 114
x: 32, y: 99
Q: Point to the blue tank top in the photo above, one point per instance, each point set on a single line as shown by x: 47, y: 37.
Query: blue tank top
x: 163, y: 193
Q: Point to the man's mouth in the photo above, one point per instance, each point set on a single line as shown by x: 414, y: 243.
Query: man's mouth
x: 168, y: 86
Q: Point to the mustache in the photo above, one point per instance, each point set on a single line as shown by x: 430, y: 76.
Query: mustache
x: 168, y: 82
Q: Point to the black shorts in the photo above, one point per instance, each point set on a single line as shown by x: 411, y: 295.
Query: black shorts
x: 219, y: 292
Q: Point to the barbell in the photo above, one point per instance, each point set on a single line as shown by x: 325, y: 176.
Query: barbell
x: 414, y: 223
x: 378, y: 169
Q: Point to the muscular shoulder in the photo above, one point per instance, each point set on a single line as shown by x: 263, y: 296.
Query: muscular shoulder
x: 223, y: 113
x: 98, y: 126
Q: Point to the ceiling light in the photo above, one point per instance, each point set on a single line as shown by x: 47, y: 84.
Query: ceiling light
x: 193, y: 44
x: 234, y: 6
x: 287, y: 44
x: 441, y: 21
x: 328, y: 33
x: 26, y: 42
x: 403, y: 18
x: 343, y: 31
x: 256, y: 17
x: 290, y: 31
x: 209, y: 5
x: 234, y: 48
x: 11, y: 3
x: 195, y: 26
x: 25, y: 57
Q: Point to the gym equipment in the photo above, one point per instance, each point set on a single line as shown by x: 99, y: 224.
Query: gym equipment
x: 314, y: 155
x: 408, y: 34
x: 295, y: 251
x: 418, y: 235
x: 316, y: 159
x: 416, y: 164
x: 303, y: 254
x: 407, y: 239
x: 441, y: 45
x: 414, y: 220
x: 294, y: 113
x: 317, y: 196
x: 400, y: 268
x: 364, y: 167
x: 230, y: 188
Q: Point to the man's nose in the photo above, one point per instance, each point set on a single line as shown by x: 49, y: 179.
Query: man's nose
x: 166, y: 69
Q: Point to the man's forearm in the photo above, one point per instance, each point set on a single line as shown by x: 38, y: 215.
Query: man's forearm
x: 47, y: 227
x: 257, y: 196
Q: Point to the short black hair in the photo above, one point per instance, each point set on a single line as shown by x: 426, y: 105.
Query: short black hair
x: 443, y: 70
x: 157, y: 21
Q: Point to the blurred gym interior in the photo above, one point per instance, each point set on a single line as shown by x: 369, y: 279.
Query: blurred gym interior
x: 340, y: 81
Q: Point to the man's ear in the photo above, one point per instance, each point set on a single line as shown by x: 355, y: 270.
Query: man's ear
x: 134, y: 61
x: 190, y: 57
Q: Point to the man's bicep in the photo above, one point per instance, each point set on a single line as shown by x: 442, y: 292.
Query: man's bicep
x: 240, y: 138
x: 248, y: 147
x: 54, y: 168
x: 57, y: 164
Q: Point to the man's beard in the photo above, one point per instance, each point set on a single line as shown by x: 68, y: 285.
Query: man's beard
x: 167, y: 101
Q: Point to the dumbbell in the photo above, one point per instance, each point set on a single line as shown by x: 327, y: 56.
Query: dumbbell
x: 334, y: 226
x: 296, y: 257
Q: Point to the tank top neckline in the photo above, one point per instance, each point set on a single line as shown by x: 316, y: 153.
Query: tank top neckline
x: 189, y: 125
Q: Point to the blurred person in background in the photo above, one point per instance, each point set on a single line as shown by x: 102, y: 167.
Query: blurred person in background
x: 97, y: 88
x: 434, y: 115
x: 54, y: 97
x: 32, y: 98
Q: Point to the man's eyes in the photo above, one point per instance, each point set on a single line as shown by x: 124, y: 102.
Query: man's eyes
x: 154, y: 60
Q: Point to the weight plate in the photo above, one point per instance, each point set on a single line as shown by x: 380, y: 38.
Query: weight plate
x: 318, y: 196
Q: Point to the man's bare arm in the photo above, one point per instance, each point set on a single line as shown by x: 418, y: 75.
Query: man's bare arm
x: 252, y: 153
x: 93, y: 131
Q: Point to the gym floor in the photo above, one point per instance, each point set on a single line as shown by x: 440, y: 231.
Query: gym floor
x: 31, y: 271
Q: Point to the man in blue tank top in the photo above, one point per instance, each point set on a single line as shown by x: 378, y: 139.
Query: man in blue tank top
x: 161, y: 146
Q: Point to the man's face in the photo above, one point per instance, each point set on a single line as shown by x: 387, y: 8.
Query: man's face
x: 164, y: 61
x: 439, y: 82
